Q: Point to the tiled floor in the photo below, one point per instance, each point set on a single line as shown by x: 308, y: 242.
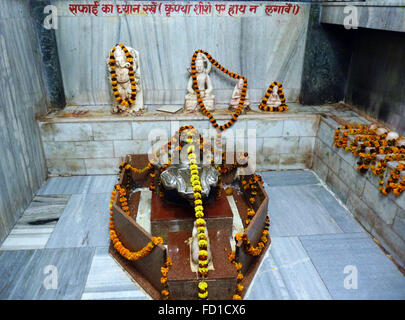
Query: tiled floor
x: 317, y: 247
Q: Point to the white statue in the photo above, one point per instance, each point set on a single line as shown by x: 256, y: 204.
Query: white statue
x: 274, y: 99
x: 392, y: 135
x: 236, y: 97
x: 195, y: 247
x: 123, y: 82
x: 380, y: 131
x: 203, y: 68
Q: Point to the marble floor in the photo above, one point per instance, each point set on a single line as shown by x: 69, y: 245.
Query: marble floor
x: 58, y: 249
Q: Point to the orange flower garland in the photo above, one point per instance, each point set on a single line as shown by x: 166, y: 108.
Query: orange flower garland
x: 254, y: 251
x: 200, y: 101
x: 263, y: 104
x: 367, y: 138
x: 239, y: 278
x: 127, y: 102
x: 163, y: 280
x: 121, y: 249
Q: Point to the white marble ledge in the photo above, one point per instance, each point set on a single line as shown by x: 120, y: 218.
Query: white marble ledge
x: 296, y: 111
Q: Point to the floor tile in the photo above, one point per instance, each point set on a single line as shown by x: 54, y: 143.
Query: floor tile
x: 293, y: 211
x: 106, y: 280
x: 378, y: 278
x: 12, y: 265
x: 34, y: 228
x: 79, y: 184
x: 70, y: 268
x: 290, y: 177
x: 286, y: 272
x: 340, y: 215
x: 83, y: 223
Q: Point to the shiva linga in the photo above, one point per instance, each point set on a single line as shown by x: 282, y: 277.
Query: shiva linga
x: 176, y: 181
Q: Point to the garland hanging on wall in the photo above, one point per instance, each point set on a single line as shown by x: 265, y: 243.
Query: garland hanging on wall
x: 127, y: 102
x: 263, y: 104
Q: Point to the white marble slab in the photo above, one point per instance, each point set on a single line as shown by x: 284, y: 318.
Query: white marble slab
x: 285, y: 273
x: 144, y: 209
x: 106, y: 280
x: 293, y: 211
x: 84, y: 223
x: 237, y: 224
x: 79, y: 185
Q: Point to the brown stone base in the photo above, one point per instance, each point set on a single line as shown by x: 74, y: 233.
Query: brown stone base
x: 183, y: 283
x: 168, y: 217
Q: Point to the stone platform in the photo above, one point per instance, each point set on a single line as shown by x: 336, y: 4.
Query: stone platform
x: 183, y: 283
x: 168, y: 217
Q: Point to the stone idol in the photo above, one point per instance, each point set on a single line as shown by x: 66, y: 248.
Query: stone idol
x: 274, y: 99
x: 125, y: 79
x: 236, y: 97
x: 203, y: 67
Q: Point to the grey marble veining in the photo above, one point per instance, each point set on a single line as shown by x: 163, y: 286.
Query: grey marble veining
x: 84, y: 222
x: 378, y: 277
x: 262, y: 48
x: 79, y: 185
x: 339, y: 214
x: 293, y: 211
x: 290, y: 177
x: 33, y: 229
x: 27, y: 273
x: 22, y: 98
x: 285, y: 273
x: 106, y: 280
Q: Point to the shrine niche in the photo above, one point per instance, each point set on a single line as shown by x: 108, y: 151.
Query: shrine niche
x: 191, y: 247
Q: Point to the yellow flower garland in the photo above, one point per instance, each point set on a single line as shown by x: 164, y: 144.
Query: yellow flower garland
x: 263, y: 104
x: 199, y: 214
x: 127, y: 102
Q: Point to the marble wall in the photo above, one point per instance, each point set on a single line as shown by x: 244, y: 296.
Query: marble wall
x: 382, y: 216
x: 375, y: 83
x: 262, y: 48
x: 98, y: 145
x: 22, y: 98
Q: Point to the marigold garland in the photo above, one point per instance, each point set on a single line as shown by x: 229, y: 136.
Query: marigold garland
x: 127, y: 102
x: 239, y: 278
x: 263, y: 104
x: 163, y: 280
x: 250, y: 184
x: 255, y: 251
x: 121, y: 249
x: 199, y: 214
x: 200, y: 101
x: 365, y: 137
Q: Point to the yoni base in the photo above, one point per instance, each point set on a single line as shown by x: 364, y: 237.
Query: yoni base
x: 168, y: 217
x: 183, y: 283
